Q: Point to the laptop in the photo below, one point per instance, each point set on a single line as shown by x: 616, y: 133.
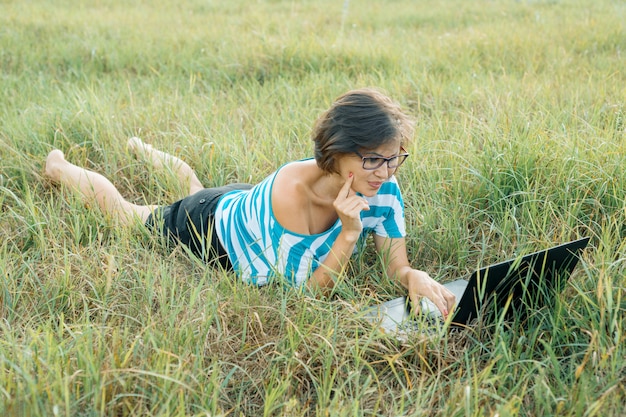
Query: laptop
x: 511, y: 287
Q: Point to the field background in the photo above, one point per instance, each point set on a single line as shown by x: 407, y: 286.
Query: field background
x: 520, y: 144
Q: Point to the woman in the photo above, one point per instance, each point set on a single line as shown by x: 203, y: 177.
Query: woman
x: 304, y: 221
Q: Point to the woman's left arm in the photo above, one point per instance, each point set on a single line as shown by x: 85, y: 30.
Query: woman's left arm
x: 418, y: 283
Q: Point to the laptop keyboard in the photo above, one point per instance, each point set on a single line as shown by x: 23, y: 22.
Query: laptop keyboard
x: 421, y: 324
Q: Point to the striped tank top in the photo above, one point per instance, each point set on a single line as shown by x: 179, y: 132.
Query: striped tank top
x: 260, y: 249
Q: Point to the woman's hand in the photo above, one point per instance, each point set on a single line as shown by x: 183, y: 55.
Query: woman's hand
x: 420, y: 284
x: 348, y: 206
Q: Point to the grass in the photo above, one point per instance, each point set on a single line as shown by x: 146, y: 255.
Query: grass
x: 520, y: 144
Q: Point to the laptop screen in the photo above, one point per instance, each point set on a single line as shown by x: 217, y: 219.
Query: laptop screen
x: 519, y: 283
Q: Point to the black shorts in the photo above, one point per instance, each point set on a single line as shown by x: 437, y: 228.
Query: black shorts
x: 190, y: 221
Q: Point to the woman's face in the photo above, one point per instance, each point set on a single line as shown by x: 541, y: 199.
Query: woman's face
x: 369, y: 181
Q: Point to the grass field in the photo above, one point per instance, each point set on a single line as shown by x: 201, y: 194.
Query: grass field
x: 520, y: 144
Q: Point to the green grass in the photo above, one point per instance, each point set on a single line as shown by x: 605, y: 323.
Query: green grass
x: 520, y: 144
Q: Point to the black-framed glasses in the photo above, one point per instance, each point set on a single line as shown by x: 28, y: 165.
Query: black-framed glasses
x: 374, y: 162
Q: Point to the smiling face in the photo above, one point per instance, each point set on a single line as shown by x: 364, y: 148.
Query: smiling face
x: 366, y: 181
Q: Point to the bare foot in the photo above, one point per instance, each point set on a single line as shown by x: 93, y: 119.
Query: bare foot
x: 159, y: 159
x: 139, y: 147
x: 54, y: 160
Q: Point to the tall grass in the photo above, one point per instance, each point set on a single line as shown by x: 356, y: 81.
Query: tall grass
x: 520, y: 144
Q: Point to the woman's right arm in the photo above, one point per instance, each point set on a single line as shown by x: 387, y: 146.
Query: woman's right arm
x: 348, y: 206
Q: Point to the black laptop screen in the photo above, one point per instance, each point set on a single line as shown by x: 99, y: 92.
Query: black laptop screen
x: 518, y: 283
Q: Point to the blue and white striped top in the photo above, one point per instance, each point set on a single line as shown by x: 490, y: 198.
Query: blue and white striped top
x: 260, y: 249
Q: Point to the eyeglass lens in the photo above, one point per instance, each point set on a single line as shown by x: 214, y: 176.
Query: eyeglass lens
x: 376, y: 162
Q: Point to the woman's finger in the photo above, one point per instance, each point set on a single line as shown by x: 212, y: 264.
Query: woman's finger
x: 356, y: 204
x: 347, y: 187
x: 415, y: 302
x: 444, y: 300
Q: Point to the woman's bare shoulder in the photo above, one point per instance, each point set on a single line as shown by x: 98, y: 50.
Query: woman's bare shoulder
x: 291, y: 183
x: 291, y: 195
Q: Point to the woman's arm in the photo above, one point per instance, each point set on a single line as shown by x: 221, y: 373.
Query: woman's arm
x: 348, y: 206
x: 322, y: 279
x: 418, y: 283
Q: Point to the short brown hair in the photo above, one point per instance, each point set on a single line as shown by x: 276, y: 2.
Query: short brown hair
x: 359, y: 120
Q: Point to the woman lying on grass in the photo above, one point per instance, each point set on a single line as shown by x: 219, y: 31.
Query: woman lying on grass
x: 304, y: 221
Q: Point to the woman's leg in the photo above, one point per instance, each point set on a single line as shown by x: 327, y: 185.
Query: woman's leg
x: 94, y: 186
x: 160, y: 159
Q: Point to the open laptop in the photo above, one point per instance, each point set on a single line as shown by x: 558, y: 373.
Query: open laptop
x: 510, y: 287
